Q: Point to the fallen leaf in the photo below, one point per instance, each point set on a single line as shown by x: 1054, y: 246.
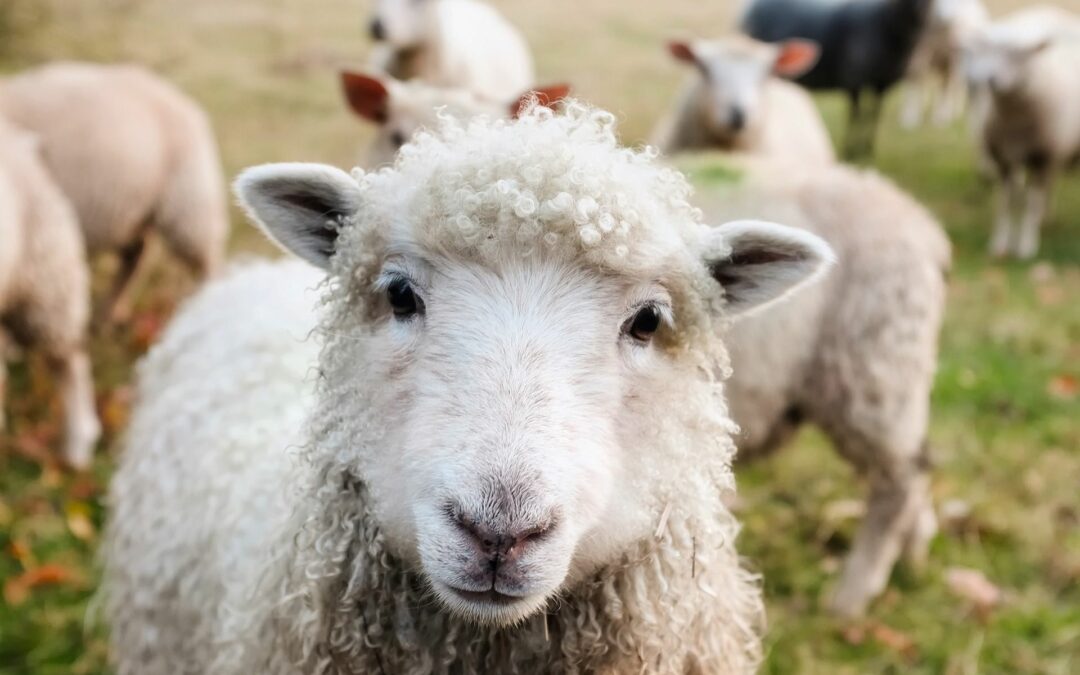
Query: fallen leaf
x: 78, y: 521
x: 1063, y: 387
x: 114, y: 408
x: 145, y: 329
x: 972, y: 585
x: 17, y: 589
x: 899, y: 642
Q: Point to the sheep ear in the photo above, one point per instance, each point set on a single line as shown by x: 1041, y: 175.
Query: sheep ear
x: 300, y: 207
x: 758, y: 263
x: 546, y: 96
x: 683, y: 51
x: 367, y: 96
x: 796, y: 57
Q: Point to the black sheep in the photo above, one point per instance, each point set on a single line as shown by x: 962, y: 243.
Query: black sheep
x: 865, y: 48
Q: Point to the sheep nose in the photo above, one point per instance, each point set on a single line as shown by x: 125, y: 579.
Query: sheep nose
x: 502, y: 544
x: 378, y: 31
x: 738, y: 119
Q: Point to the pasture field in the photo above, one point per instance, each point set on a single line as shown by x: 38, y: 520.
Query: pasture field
x: 1006, y: 414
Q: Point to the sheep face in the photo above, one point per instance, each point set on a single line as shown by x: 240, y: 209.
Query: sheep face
x: 401, y: 23
x: 500, y: 357
x: 734, y: 72
x: 999, y: 60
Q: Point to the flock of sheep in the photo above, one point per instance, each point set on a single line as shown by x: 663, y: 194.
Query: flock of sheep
x: 486, y: 424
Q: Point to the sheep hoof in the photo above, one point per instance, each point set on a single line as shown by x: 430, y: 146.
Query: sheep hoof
x: 848, y: 602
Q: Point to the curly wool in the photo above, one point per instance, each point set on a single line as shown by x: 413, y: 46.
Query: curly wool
x: 335, y: 597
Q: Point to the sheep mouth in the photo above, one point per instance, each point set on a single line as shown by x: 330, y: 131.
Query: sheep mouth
x: 488, y: 597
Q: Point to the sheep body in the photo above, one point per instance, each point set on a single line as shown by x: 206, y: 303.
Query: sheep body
x: 1028, y: 66
x: 44, y: 285
x: 775, y: 117
x: 331, y: 579
x: 460, y: 44
x: 865, y: 48
x: 854, y: 355
x: 132, y: 154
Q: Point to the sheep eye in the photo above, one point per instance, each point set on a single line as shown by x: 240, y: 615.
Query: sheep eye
x: 397, y: 139
x: 644, y: 324
x: 402, y: 298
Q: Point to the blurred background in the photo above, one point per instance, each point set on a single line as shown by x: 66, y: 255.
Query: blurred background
x: 1006, y: 408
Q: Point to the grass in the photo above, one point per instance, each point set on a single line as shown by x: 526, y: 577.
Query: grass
x: 1006, y: 414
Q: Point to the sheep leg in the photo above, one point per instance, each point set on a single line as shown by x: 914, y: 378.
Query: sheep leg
x: 82, y: 428
x: 1009, y: 188
x: 952, y: 96
x: 851, y: 143
x: 118, y: 305
x: 897, y: 506
x: 915, y: 95
x: 1038, y: 197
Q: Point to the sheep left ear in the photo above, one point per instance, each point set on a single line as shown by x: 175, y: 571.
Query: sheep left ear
x: 300, y: 207
x: 796, y: 57
x: 546, y: 96
x: 758, y: 263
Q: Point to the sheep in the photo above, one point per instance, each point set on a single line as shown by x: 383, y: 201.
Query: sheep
x: 865, y: 49
x: 734, y: 102
x: 400, y: 109
x: 134, y: 156
x: 1028, y: 66
x: 458, y: 44
x: 855, y: 355
x: 936, y: 68
x: 516, y: 448
x: 44, y: 286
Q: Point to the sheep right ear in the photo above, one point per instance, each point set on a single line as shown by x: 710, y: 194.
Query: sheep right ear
x: 300, y: 207
x: 683, y: 51
x: 758, y: 263
x: 367, y: 96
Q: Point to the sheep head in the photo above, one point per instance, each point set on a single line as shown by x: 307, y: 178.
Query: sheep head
x: 734, y: 71
x: 521, y: 348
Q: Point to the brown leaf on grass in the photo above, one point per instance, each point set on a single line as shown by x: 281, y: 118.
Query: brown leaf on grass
x: 1063, y: 387
x: 888, y: 637
x: 36, y: 442
x: 972, y: 585
x: 114, y: 408
x: 145, y: 329
x: 21, y: 552
x: 17, y: 589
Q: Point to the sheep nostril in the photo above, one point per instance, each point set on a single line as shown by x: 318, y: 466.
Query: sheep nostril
x: 738, y: 119
x: 378, y: 31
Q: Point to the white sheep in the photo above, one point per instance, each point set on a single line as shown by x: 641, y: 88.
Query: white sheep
x: 400, y: 109
x: 936, y: 72
x: 1028, y: 65
x: 737, y: 101
x: 457, y: 44
x: 134, y: 156
x: 855, y: 354
x: 45, y: 286
x: 516, y: 445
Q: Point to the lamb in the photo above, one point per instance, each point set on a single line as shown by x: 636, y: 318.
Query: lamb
x: 735, y: 103
x: 400, y: 109
x: 865, y: 49
x: 1028, y: 65
x: 44, y: 286
x: 516, y: 448
x: 936, y: 70
x: 855, y: 355
x: 134, y: 156
x: 457, y: 44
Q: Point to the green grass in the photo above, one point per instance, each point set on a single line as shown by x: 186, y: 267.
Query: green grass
x: 1006, y: 417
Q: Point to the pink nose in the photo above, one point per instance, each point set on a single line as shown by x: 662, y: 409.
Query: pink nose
x: 502, y: 545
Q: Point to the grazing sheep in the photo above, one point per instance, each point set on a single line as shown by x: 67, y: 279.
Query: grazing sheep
x: 400, y: 109
x: 134, y: 156
x: 936, y: 70
x: 1028, y: 65
x: 865, y: 49
x: 457, y: 44
x: 44, y: 286
x: 854, y: 355
x: 735, y: 103
x: 517, y: 447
